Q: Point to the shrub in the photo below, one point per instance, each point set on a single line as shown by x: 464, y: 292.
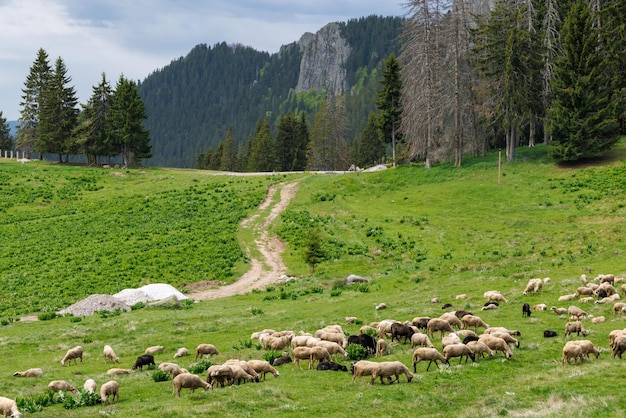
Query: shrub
x: 271, y: 355
x: 160, y: 376
x: 256, y: 311
x: 356, y: 352
x: 200, y: 367
x: 138, y: 305
x: 76, y: 319
x: 46, y: 316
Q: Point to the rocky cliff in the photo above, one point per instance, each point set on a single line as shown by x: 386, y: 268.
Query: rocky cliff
x: 324, y: 55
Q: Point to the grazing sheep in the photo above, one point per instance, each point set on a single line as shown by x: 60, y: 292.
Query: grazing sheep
x: 258, y: 334
x: 381, y: 306
x: 262, y: 366
x: 525, y: 310
x: 144, y: 360
x: 473, y: 321
x: 57, y: 385
x: 172, y: 368
x: 366, y: 341
x: 607, y: 287
x: 605, y: 300
x: 318, y: 354
x: 420, y: 340
x: 116, y: 370
x: 90, y: 385
x: 493, y: 330
x: 421, y: 322
x: 363, y: 368
x: 381, y: 347
x: 336, y: 337
x: 567, y: 298
x: 401, y: 330
x: 300, y: 353
x: 189, y: 381
x: 598, y: 320
x: 110, y: 391
x: 277, y: 343
x: 331, y: 365
x: 450, y: 339
x: 206, y: 349
x: 438, y: 324
x: 540, y: 307
x: 9, y: 406
x: 73, y: 354
x: 575, y: 327
x: 506, y: 337
x: 109, y: 355
x: 36, y: 372
x: 618, y: 346
x: 480, y: 349
x: 558, y: 311
x: 605, y: 278
x: 623, y: 287
x: 618, y: 308
x: 427, y: 353
x: 333, y: 348
x: 572, y: 351
x: 391, y: 368
x: 458, y: 350
x: 587, y: 347
x: 494, y: 295
x: 246, y: 374
x: 462, y: 296
x: 154, y: 349
x: 181, y: 352
x: 461, y: 313
x: 549, y: 333
x: 575, y: 312
x: 452, y: 319
x: 220, y: 375
x: 533, y: 286
x: 497, y: 344
x: 469, y: 339
x: 584, y: 290
x: 279, y: 361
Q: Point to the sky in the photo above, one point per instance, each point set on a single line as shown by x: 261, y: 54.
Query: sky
x: 136, y: 37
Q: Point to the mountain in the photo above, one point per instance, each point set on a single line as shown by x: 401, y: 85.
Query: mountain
x: 192, y: 101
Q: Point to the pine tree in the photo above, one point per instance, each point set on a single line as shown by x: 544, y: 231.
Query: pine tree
x: 582, y: 116
x: 613, y: 37
x: 370, y: 147
x: 228, y: 160
x: 314, y: 253
x: 302, y: 143
x: 328, y: 148
x: 130, y: 138
x: 388, y: 103
x: 286, y: 142
x: 261, y: 152
x: 94, y: 134
x: 36, y: 81
x: 6, y: 141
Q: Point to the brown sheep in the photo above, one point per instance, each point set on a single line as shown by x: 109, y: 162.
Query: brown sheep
x: 438, y: 324
x: 575, y: 327
x: 427, y: 353
x: 480, y: 349
x: 381, y: 347
x: 36, y: 372
x: 459, y: 350
x: 422, y: 340
x: 497, y: 344
x: 363, y: 368
x: 391, y: 368
x: 300, y: 353
x: 206, y: 349
x: 587, y: 347
x: 473, y: 321
x: 575, y: 312
x: 264, y: 367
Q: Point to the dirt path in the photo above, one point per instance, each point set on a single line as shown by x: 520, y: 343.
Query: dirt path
x: 271, y: 267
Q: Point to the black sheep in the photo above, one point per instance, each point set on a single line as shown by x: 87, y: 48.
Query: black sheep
x: 366, y: 341
x: 331, y: 365
x: 549, y: 333
x: 526, y: 310
x: 469, y: 338
x: 401, y: 330
x: 144, y: 360
x: 279, y: 361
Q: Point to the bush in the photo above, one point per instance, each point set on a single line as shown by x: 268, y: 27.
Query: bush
x: 356, y: 352
x: 160, y: 376
x: 46, y: 316
x: 138, y: 305
x: 200, y: 367
x: 272, y: 355
x: 76, y: 319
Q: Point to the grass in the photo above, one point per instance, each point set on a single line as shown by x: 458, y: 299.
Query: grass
x: 414, y: 233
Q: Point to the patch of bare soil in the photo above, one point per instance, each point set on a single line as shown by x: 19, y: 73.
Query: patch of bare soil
x: 270, y: 267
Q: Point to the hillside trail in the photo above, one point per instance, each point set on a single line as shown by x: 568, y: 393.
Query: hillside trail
x: 265, y: 271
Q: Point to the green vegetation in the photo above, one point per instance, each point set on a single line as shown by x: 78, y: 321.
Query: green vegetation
x: 414, y: 233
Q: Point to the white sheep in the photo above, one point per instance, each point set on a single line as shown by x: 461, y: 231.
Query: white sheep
x: 109, y: 354
x: 381, y: 306
x: 533, y: 286
x: 494, y: 296
x: 318, y: 354
x: 496, y: 344
x: 189, y: 381
x: 434, y: 300
x: 172, y: 368
x: 336, y: 337
x: 333, y: 348
x: 598, y: 320
x: 587, y: 347
x: 558, y: 311
x: 540, y: 307
x: 154, y: 349
x: 9, y: 406
x: 241, y: 371
x: 383, y: 328
x: 57, y: 385
x: 473, y: 321
x: 117, y: 370
x: 206, y: 349
x: 450, y: 339
x: 73, y: 354
x: 458, y: 350
x: 584, y: 290
x: 427, y: 353
x: 452, y: 319
x: 618, y: 308
x: 438, y: 324
x: 90, y: 385
x: 575, y: 312
x: 35, y: 372
x: 181, y: 352
x: 220, y: 375
x: 480, y: 349
x: 387, y: 369
x: 278, y: 343
x: 462, y: 296
x: 110, y: 391
x: 381, y: 347
x: 506, y: 337
x: 567, y: 298
x: 420, y: 340
x: 257, y: 335
x: 572, y: 351
x: 300, y: 353
x: 263, y: 366
x: 575, y: 327
x: 587, y: 299
x: 350, y: 319
x: 363, y: 368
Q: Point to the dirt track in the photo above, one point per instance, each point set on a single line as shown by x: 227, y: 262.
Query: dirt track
x: 271, y: 267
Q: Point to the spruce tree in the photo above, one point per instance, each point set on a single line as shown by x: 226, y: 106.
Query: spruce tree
x: 286, y: 142
x: 228, y: 160
x: 388, y: 103
x: 94, y: 135
x: 302, y: 142
x: 261, y: 153
x: 370, y: 147
x: 582, y: 116
x: 6, y: 141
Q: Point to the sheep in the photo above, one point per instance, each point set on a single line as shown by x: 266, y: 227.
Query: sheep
x: 318, y: 354
x: 336, y: 337
x: 605, y: 278
x: 381, y: 348
x: 540, y: 307
x: 110, y: 391
x: 109, y: 355
x: 489, y: 306
x: 434, y: 300
x: 181, y: 352
x: 605, y: 300
x: 363, y: 368
x: 613, y: 335
x: 277, y: 343
x: 401, y: 330
x: 558, y: 311
x: 618, y: 346
x: 279, y: 361
x: 452, y: 319
x: 473, y: 321
x: 57, y: 385
x: 350, y: 319
x: 73, y: 354
x: 450, y: 339
x: 257, y: 335
x: 116, y: 370
x: 461, y: 313
x: 262, y: 366
x: 421, y: 322
x: 618, y: 308
x: 493, y: 330
x: 458, y: 350
x: 575, y: 327
x: 480, y: 348
x: 154, y: 349
x: 332, y: 347
x: 572, y: 351
x: 438, y: 324
x: 598, y: 320
x: 584, y: 290
x: 575, y: 312
x: 533, y: 286
x: 35, y: 372
x: 144, y: 360
x: 469, y: 339
x: 391, y: 368
x: 220, y: 375
x: 587, y: 299
x: 419, y: 339
x: 366, y: 329
x: 623, y: 287
x: 366, y: 341
x: 189, y: 381
x: 9, y: 406
x: 587, y: 347
x: 494, y: 295
x: 242, y: 371
x: 549, y: 333
x: 300, y: 353
x: 427, y: 353
x: 206, y: 349
x: 90, y: 386
x: 525, y: 310
x: 172, y: 368
x: 331, y: 365
x: 607, y: 287
x: 383, y: 329
x: 497, y: 344
x: 463, y: 333
x: 506, y: 337
x: 567, y: 298
x: 381, y: 306
x: 462, y: 296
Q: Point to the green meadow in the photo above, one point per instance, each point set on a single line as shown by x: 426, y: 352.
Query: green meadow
x: 415, y: 234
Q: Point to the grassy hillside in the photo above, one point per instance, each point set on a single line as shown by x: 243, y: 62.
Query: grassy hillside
x: 415, y: 233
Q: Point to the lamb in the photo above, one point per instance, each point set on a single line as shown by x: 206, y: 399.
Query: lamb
x: 480, y: 349
x: 525, y: 310
x: 331, y: 365
x: 154, y: 349
x: 109, y: 355
x: 558, y: 311
x: 262, y: 366
x: 116, y: 370
x: 438, y: 324
x: 427, y: 353
x: 172, y: 368
x: 58, y: 385
x: 540, y: 307
x: 419, y: 339
x: 9, y: 406
x: 73, y: 354
x: 572, y: 351
x: 549, y: 333
x: 494, y: 295
x: 110, y: 391
x: 206, y: 349
x: 381, y: 348
x: 391, y: 368
x: 36, y: 372
x: 90, y: 385
x: 534, y: 285
x: 497, y: 344
x: 458, y: 350
x: 189, y: 381
x: 363, y: 368
x: 144, y: 360
x: 181, y: 352
x: 575, y: 327
x: 575, y: 312
x: 587, y: 347
x: 473, y: 321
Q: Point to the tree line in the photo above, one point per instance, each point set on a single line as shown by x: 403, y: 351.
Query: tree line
x: 109, y: 125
